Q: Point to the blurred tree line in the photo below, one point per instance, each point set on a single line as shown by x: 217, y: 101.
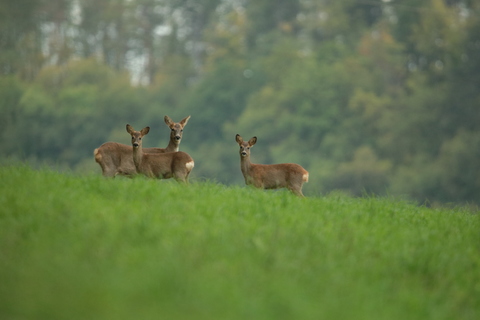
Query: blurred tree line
x: 377, y: 96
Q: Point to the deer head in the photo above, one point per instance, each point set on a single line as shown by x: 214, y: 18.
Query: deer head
x: 137, y: 135
x: 176, y: 128
x: 245, y: 146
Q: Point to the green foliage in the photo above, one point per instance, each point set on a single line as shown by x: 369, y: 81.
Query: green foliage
x: 365, y: 173
x: 19, y: 49
x: 67, y: 112
x: 222, y: 93
x: 88, y: 247
x: 462, y: 179
x: 268, y: 16
x: 369, y: 96
x: 11, y: 91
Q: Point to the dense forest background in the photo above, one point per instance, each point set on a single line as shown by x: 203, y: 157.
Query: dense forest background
x: 376, y: 96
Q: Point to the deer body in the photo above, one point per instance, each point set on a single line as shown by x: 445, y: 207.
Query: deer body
x: 167, y: 165
x: 116, y: 158
x: 270, y: 176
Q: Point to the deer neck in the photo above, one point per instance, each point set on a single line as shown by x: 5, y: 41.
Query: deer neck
x: 245, y: 164
x: 173, y: 145
x: 137, y: 156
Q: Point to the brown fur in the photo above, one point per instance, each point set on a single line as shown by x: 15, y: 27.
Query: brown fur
x: 270, y: 176
x: 167, y: 165
x: 116, y: 158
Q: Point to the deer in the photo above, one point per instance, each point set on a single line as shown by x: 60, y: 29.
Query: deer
x: 177, y: 165
x: 116, y: 158
x: 270, y: 176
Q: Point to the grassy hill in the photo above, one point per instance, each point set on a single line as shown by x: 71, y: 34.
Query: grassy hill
x: 85, y: 247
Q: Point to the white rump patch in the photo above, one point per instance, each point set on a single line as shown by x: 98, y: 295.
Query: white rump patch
x: 305, y: 177
x: 190, y: 165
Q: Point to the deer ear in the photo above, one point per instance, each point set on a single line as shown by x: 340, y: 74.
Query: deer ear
x: 239, y: 139
x: 145, y: 131
x: 252, y: 141
x: 168, y: 121
x: 130, y: 129
x: 184, y: 121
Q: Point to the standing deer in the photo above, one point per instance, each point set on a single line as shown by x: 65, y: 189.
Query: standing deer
x: 167, y: 165
x: 116, y: 158
x: 270, y: 176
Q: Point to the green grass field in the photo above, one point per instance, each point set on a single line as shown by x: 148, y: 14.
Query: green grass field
x: 85, y: 247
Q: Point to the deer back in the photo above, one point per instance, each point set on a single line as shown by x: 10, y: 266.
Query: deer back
x: 117, y: 158
x: 165, y: 165
x: 273, y: 176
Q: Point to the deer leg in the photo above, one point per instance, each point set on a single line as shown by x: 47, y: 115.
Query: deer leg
x: 109, y: 173
x: 296, y: 187
x: 186, y: 177
x: 181, y: 177
x: 297, y: 191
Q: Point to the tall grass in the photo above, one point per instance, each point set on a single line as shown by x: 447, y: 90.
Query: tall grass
x: 85, y: 247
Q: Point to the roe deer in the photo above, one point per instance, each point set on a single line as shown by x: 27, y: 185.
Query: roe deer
x: 116, y: 158
x: 270, y: 176
x: 167, y: 165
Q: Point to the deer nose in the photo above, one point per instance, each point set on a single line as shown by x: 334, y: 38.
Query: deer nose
x: 243, y: 153
x: 177, y: 138
x: 135, y: 144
